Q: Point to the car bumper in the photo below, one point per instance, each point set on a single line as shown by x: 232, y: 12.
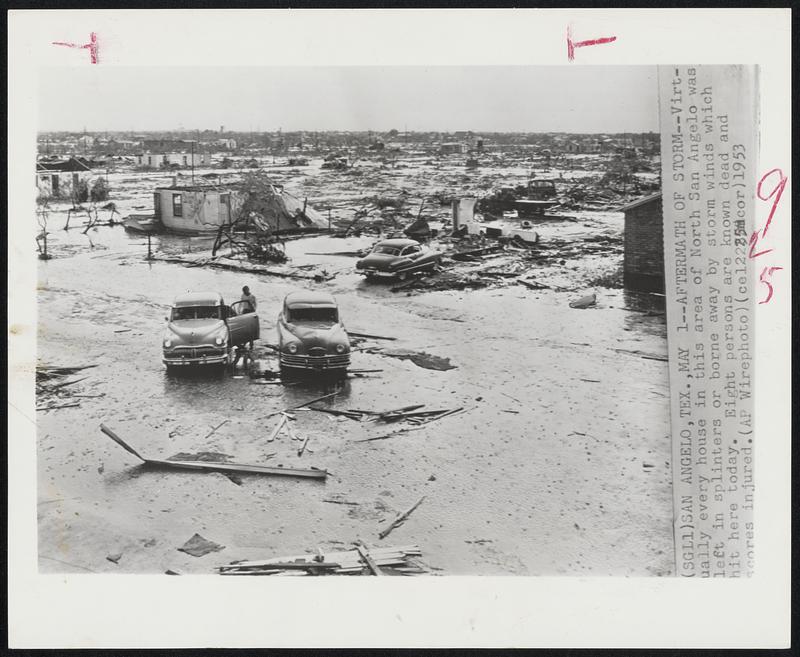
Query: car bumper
x: 377, y: 273
x: 315, y: 363
x: 187, y: 357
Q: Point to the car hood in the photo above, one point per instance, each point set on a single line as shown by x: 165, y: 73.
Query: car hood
x: 315, y: 334
x: 194, y: 331
x: 380, y: 260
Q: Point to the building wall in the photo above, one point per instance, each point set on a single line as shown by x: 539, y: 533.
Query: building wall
x: 155, y: 160
x: 643, y: 265
x: 201, y: 211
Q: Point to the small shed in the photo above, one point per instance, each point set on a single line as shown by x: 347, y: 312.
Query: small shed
x: 643, y: 264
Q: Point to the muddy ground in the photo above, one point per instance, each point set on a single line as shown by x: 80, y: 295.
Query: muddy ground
x: 559, y: 464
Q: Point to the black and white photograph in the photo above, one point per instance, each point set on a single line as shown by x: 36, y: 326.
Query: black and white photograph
x: 417, y: 328
x: 491, y: 302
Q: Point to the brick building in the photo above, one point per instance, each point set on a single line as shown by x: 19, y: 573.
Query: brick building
x: 643, y: 264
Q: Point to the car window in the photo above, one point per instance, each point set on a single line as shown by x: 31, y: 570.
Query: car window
x: 195, y: 312
x: 324, y: 315
x: 241, y: 308
x: 388, y: 250
x: 410, y: 250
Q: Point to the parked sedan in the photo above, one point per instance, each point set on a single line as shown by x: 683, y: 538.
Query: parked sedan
x: 203, y: 330
x: 311, y: 337
x: 397, y: 258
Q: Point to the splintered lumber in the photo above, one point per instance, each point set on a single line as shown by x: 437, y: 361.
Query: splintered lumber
x: 310, y: 401
x: 277, y: 429
x: 332, y: 411
x: 312, y: 473
x: 369, y: 336
x: 365, y: 556
x: 349, y: 562
x: 66, y: 383
x: 399, y: 520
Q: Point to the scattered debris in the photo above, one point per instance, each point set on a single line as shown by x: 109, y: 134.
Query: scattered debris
x: 399, y: 520
x: 310, y: 401
x: 369, y: 336
x: 394, y: 560
x: 114, y: 558
x: 584, y: 302
x: 197, y: 546
x: 332, y: 501
x: 420, y: 359
x: 215, y: 466
x: 213, y: 431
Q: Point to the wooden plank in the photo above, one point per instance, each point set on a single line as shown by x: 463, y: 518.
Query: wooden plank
x: 312, y: 473
x: 121, y: 442
x: 364, y: 554
x: 399, y: 520
x: 370, y: 336
x: 277, y: 429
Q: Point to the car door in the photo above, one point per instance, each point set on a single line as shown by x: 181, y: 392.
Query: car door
x: 410, y: 255
x: 243, y: 324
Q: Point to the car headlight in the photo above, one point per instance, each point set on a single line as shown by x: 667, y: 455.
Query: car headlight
x: 219, y: 340
x: 292, y: 348
x: 167, y: 343
x: 340, y: 348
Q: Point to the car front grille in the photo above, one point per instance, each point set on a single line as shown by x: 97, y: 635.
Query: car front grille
x: 196, y: 352
x: 312, y: 362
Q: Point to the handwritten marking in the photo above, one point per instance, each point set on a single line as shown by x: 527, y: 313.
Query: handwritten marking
x: 777, y: 192
x: 92, y: 46
x: 572, y: 45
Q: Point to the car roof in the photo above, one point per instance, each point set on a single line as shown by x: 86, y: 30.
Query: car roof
x: 198, y: 299
x: 309, y: 299
x: 398, y: 242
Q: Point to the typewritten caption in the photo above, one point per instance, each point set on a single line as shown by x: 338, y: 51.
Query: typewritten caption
x: 709, y: 136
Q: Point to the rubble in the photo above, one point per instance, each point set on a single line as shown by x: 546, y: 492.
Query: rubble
x: 360, y: 560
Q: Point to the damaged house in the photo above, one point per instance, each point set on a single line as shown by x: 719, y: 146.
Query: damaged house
x: 61, y: 179
x: 196, y: 209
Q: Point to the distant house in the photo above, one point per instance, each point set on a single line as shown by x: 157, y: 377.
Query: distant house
x: 643, y: 263
x: 204, y: 208
x: 572, y: 147
x: 155, y: 160
x: 452, y: 148
x: 61, y: 179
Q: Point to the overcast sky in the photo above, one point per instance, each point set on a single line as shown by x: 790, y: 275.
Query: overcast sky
x: 482, y: 99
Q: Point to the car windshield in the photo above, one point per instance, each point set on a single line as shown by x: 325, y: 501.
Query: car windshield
x: 323, y: 315
x: 195, y: 312
x: 389, y: 250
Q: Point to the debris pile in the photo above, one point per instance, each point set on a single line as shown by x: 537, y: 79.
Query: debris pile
x: 52, y: 389
x: 360, y: 560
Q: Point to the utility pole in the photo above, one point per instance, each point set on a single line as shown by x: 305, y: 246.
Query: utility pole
x: 192, y: 163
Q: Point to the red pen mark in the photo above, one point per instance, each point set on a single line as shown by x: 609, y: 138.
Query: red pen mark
x: 766, y: 272
x: 753, y: 241
x: 92, y: 46
x: 777, y: 192
x: 572, y: 45
x: 775, y: 196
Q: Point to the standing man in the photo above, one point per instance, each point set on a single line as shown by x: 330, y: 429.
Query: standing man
x: 251, y: 298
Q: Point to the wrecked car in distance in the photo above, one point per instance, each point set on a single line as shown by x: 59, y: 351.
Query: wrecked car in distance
x: 311, y: 336
x: 397, y: 258
x: 203, y: 330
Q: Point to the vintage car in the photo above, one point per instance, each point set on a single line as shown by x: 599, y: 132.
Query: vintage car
x: 311, y: 337
x: 398, y: 258
x: 203, y: 330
